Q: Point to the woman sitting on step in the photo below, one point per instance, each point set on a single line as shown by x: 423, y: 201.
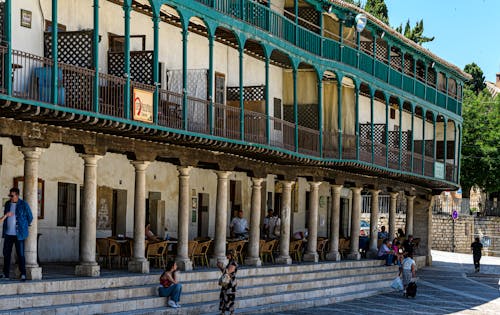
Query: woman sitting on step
x: 228, y: 290
x: 170, y: 286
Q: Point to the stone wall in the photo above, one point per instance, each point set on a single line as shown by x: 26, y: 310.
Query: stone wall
x: 488, y: 229
x: 452, y: 235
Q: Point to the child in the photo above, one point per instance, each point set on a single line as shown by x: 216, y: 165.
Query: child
x: 170, y: 286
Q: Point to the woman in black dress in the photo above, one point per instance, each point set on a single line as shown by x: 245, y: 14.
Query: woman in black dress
x: 228, y: 291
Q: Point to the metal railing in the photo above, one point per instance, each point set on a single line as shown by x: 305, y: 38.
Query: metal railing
x: 308, y: 141
x: 384, y: 202
x: 170, y: 109
x: 198, y: 115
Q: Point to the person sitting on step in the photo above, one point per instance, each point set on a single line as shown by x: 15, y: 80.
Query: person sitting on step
x: 386, y: 253
x: 170, y: 286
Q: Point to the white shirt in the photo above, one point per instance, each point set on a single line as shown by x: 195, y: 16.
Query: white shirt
x: 11, y: 221
x: 407, y: 263
x: 271, y: 223
x: 384, y: 249
x: 239, y: 225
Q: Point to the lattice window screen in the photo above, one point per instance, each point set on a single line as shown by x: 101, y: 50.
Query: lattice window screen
x: 431, y: 77
x: 288, y: 113
x: 196, y: 82
x: 311, y: 17
x: 408, y: 65
x: 2, y: 5
x: 74, y: 48
x: 429, y: 148
x: 251, y: 93
x: 367, y: 47
x: 308, y: 116
x: 141, y: 65
x: 381, y: 50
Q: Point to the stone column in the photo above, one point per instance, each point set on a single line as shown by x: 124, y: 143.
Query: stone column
x: 373, y: 250
x: 253, y: 258
x: 409, y: 215
x: 31, y: 162
x: 312, y: 254
x: 334, y: 254
x: 139, y: 263
x: 220, y: 219
x: 355, y: 224
x: 88, y: 265
x: 182, y: 259
x: 286, y: 209
x: 392, y: 215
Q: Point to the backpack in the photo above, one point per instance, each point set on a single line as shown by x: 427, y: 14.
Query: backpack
x: 224, y: 279
x: 411, y: 289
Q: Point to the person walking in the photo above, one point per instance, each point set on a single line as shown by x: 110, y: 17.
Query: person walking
x: 171, y: 288
x: 228, y: 288
x: 409, y: 271
x: 476, y: 252
x: 15, y: 231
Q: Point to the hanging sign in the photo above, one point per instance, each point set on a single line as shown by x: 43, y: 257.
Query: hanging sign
x: 439, y: 170
x: 143, y: 105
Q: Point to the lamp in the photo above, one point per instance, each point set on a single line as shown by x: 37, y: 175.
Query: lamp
x: 360, y: 22
x: 433, y: 64
x: 382, y: 35
x: 329, y: 9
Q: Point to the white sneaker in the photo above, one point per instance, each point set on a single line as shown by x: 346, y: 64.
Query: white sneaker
x: 172, y: 304
x: 177, y: 305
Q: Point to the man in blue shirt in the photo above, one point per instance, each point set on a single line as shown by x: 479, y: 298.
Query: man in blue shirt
x: 383, y: 234
x: 15, y: 231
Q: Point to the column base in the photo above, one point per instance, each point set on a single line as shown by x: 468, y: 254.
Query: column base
x: 138, y: 266
x: 34, y: 272
x: 184, y: 264
x: 88, y: 270
x: 354, y: 256
x: 312, y: 257
x: 214, y: 260
x: 372, y: 253
x: 333, y: 256
x: 284, y: 260
x: 428, y: 261
x: 253, y: 261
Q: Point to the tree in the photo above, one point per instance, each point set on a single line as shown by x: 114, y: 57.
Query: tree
x: 378, y: 8
x: 414, y: 33
x: 476, y: 84
x: 480, y: 159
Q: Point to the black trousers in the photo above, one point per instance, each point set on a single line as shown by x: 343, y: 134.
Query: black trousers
x: 477, y: 258
x: 9, y: 241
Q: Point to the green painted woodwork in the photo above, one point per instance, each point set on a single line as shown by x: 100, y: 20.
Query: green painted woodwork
x: 185, y: 34
x: 295, y: 110
x: 339, y: 115
x: 434, y: 145
x: 372, y: 130
x: 320, y: 114
x: 55, y: 66
x: 356, y: 119
x: 387, y: 131
x: 8, y: 39
x: 211, y: 39
x: 400, y: 136
x: 268, y: 113
x: 455, y: 131
x: 445, y: 140
x: 156, y: 65
x: 423, y: 140
x: 127, y: 7
x: 242, y: 92
x: 412, y: 137
x: 95, y: 61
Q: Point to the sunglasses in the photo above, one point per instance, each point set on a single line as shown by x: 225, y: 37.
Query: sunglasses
x: 11, y: 196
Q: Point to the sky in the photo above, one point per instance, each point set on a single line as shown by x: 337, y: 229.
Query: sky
x: 465, y: 30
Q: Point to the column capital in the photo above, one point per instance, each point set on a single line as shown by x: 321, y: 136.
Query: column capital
x: 257, y: 182
x: 394, y: 195
x: 31, y: 152
x: 287, y: 183
x: 222, y: 174
x: 410, y: 198
x: 314, y: 185
x: 140, y: 165
x: 356, y: 190
x: 336, y: 188
x: 374, y: 192
x: 90, y: 159
x: 184, y: 170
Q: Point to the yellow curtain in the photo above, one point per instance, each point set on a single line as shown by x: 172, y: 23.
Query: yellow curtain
x: 330, y: 108
x: 307, y: 87
x: 348, y: 110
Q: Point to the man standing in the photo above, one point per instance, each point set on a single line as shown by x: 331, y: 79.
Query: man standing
x: 476, y: 252
x: 272, y: 225
x: 408, y: 245
x: 239, y: 226
x: 382, y: 234
x: 15, y: 231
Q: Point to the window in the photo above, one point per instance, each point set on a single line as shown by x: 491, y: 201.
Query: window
x: 66, y: 204
x: 277, y: 113
x: 60, y: 27
x: 117, y: 42
x: 220, y: 83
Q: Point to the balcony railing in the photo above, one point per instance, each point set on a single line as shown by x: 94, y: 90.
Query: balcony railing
x: 269, y: 20
x: 32, y: 80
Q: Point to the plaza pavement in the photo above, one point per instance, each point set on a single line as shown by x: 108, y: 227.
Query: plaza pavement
x: 450, y: 286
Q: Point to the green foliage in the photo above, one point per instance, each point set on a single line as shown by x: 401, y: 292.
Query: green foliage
x: 480, y: 160
x: 355, y: 2
x: 477, y: 83
x: 378, y: 8
x: 414, y: 33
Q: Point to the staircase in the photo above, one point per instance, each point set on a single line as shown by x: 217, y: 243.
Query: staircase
x: 265, y: 289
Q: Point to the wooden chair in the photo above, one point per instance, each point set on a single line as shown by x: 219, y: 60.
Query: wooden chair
x: 295, y: 249
x: 237, y: 248
x: 191, y: 248
x: 321, y: 248
x: 344, y: 247
x: 114, y: 253
x: 102, y: 245
x: 127, y: 251
x: 200, y: 253
x: 156, y: 253
x: 266, y: 249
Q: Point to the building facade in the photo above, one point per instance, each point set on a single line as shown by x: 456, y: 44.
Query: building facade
x: 118, y: 113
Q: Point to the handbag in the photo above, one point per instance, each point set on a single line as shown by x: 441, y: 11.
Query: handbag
x: 224, y: 279
x: 397, y: 284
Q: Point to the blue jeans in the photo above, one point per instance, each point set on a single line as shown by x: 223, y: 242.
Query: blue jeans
x: 388, y: 258
x: 173, y: 291
x: 7, y: 253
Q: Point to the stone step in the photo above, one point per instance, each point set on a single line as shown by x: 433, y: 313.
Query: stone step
x: 76, y: 284
x: 208, y: 303
x: 195, y: 291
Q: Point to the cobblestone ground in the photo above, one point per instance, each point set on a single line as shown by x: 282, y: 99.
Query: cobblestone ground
x: 448, y: 287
